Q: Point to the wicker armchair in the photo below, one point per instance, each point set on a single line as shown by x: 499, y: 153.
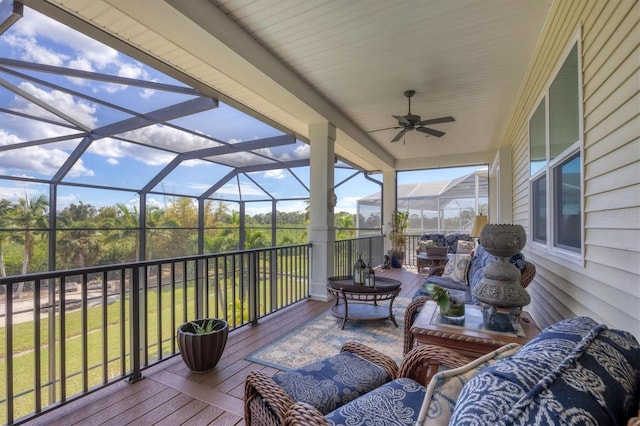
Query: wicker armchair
x: 419, y: 365
x: 410, y: 314
x: 266, y: 403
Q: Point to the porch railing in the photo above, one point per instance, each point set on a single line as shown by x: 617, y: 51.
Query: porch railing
x: 75, y: 331
x: 346, y: 252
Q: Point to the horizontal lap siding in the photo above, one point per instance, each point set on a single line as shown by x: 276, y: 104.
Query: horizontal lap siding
x: 607, y: 287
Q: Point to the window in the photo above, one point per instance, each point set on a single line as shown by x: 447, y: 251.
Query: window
x: 555, y: 143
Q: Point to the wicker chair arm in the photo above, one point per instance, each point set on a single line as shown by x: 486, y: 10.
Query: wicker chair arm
x: 409, y: 316
x: 370, y: 354
x: 436, y: 270
x: 260, y: 386
x: 527, y: 275
x: 422, y: 362
x: 303, y: 414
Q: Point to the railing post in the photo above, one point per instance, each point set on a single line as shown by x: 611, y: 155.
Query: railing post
x: 135, y: 323
x: 253, y: 288
x: 273, y: 276
x: 200, y: 287
x: 51, y: 324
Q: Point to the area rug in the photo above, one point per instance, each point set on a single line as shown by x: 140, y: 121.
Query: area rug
x: 322, y: 337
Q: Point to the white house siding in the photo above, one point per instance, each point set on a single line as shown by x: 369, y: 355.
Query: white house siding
x: 607, y: 286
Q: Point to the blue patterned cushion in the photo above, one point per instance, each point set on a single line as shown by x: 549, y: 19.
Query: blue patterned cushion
x: 574, y: 372
x: 332, y: 382
x: 395, y: 403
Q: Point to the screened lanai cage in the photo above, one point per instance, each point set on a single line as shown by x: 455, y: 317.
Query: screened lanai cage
x: 105, y: 159
x: 436, y: 206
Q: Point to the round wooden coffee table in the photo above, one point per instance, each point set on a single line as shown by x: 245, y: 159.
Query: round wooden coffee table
x: 360, y: 303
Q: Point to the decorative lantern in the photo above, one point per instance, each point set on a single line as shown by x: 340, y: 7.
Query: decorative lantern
x: 358, y: 270
x: 369, y: 276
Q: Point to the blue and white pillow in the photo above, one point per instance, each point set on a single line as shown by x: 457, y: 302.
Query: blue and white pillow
x: 574, y: 372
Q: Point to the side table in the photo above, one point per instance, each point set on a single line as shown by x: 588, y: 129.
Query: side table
x: 424, y: 260
x: 360, y: 303
x: 470, y: 336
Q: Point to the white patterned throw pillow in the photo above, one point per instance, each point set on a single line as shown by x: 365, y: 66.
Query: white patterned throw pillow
x: 456, y: 268
x: 444, y: 388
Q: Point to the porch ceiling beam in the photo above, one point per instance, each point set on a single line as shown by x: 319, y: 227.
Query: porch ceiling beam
x: 172, y: 112
x: 249, y: 169
x: 22, y: 93
x: 229, y: 148
x: 91, y: 75
x: 273, y: 166
x: 42, y: 141
x: 102, y: 102
x: 218, y: 150
x: 71, y: 160
x: 34, y: 117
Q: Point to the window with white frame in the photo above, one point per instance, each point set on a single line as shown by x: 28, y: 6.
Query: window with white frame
x: 555, y: 151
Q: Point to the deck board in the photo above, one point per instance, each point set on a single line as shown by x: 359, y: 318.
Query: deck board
x: 172, y: 395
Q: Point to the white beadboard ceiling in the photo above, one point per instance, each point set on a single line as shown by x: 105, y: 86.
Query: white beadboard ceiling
x: 298, y: 62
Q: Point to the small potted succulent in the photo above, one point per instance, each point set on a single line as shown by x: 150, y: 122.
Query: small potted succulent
x: 202, y: 342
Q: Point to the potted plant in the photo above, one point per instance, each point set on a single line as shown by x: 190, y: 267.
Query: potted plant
x: 201, y: 343
x: 398, y: 237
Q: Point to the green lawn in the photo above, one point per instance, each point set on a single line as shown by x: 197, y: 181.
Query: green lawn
x: 160, y: 328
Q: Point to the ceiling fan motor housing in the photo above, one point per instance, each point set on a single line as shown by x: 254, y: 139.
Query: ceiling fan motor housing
x: 414, y: 120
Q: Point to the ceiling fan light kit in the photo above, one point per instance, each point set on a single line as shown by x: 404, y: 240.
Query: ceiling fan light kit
x: 411, y: 122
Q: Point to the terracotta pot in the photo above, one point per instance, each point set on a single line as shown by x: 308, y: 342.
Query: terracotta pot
x: 201, y: 352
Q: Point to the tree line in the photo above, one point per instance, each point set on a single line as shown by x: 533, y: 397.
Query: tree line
x: 90, y: 236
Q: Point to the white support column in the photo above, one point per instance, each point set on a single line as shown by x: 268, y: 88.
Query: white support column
x: 321, y: 230
x: 501, y: 188
x: 388, y: 204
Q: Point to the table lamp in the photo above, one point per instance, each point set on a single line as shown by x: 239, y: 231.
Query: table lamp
x: 478, y: 223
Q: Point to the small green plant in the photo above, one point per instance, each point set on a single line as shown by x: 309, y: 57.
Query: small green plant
x: 441, y: 297
x: 399, y: 224
x: 207, y: 326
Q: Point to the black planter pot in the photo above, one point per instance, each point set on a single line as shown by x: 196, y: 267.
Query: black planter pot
x: 397, y: 261
x: 201, y: 352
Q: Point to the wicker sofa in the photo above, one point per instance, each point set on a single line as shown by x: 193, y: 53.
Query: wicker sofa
x: 319, y: 386
x: 575, y: 372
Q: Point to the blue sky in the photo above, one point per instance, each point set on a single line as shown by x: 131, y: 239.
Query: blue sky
x: 113, y: 162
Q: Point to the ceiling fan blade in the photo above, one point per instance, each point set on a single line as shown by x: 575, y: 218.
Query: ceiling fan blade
x: 434, y: 132
x: 437, y: 121
x: 386, y: 128
x: 399, y: 136
x: 402, y: 120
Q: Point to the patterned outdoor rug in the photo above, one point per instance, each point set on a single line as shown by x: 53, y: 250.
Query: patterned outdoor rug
x: 321, y: 337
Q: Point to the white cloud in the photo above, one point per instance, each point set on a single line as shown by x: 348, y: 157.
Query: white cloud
x: 30, y: 50
x: 36, y: 158
x: 168, y: 137
x: 81, y: 111
x: 302, y: 151
x: 232, y: 189
x: 114, y: 149
x: 275, y: 174
x: 112, y: 161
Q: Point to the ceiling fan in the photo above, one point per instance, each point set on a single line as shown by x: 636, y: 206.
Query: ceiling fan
x: 414, y: 122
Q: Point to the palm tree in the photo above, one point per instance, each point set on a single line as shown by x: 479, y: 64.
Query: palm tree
x: 29, y: 215
x: 5, y: 222
x: 344, y: 222
x: 156, y: 222
x: 79, y: 244
x: 128, y: 221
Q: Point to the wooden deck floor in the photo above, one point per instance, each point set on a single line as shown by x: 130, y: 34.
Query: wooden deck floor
x: 170, y: 394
